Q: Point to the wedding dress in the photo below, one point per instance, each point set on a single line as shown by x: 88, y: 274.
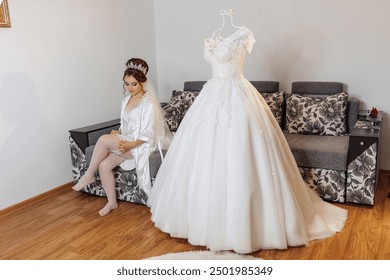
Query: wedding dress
x: 229, y: 180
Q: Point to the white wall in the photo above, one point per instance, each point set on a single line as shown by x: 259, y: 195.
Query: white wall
x: 324, y: 40
x: 61, y: 67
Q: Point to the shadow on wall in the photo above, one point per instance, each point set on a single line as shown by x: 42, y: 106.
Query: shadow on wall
x: 27, y: 146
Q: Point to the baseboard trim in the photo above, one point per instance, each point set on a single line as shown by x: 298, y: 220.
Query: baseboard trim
x: 27, y: 202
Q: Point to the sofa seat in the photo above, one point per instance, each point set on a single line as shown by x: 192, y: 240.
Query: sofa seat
x: 325, y: 152
x: 322, y: 159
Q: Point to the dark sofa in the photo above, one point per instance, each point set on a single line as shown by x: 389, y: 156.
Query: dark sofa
x: 322, y: 149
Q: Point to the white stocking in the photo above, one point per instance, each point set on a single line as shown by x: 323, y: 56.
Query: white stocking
x: 102, y: 149
x: 108, y: 180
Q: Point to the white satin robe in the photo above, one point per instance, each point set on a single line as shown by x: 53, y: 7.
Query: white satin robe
x: 138, y: 124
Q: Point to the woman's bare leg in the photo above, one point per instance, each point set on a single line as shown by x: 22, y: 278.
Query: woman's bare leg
x: 108, y: 180
x: 102, y: 149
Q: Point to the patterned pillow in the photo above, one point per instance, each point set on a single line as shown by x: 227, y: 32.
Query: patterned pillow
x: 322, y: 116
x: 275, y: 102
x: 187, y: 98
x: 172, y: 112
x: 178, y: 106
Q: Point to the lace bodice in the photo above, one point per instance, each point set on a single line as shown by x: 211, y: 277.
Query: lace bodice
x: 227, y: 55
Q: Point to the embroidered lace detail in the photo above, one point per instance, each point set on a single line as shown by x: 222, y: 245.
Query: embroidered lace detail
x: 225, y: 54
x: 243, y: 37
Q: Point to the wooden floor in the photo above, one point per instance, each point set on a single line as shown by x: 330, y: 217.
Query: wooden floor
x: 65, y: 224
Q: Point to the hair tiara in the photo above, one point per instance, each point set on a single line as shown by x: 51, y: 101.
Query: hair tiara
x: 137, y: 66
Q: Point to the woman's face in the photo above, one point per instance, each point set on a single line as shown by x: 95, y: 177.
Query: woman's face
x: 132, y: 85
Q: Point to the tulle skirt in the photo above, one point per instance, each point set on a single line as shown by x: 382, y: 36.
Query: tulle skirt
x: 230, y: 182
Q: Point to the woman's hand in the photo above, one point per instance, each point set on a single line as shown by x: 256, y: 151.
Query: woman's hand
x: 115, y: 132
x: 125, y: 146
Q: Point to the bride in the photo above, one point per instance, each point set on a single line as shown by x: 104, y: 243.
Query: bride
x: 229, y: 180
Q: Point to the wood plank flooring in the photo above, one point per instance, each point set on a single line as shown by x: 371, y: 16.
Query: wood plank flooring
x: 65, y: 225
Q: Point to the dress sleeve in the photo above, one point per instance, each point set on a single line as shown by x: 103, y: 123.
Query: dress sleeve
x: 208, y: 48
x: 146, y: 122
x: 250, y: 42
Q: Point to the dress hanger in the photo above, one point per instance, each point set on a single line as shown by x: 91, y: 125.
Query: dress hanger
x: 230, y: 13
x: 224, y: 14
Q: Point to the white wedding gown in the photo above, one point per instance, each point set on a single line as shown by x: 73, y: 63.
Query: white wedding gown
x: 229, y: 180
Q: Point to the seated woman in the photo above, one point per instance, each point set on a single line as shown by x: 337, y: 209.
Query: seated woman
x: 142, y: 130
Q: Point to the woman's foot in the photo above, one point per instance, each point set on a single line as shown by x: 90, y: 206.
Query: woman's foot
x: 83, y: 182
x: 108, y: 208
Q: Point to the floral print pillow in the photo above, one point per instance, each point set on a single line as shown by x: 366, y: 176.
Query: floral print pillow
x: 175, y: 110
x: 275, y: 102
x: 172, y: 113
x: 187, y: 98
x: 313, y: 115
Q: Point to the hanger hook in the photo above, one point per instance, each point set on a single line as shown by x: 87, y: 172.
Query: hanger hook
x: 229, y: 12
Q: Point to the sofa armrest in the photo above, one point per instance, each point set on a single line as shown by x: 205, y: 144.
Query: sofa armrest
x: 352, y: 112
x: 363, y: 135
x: 88, y: 135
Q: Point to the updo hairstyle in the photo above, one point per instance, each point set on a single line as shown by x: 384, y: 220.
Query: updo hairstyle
x: 138, y: 68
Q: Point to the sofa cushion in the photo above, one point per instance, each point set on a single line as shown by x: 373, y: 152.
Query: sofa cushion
x: 276, y: 102
x: 177, y: 107
x: 327, y: 152
x: 88, y: 154
x: 172, y: 112
x: 155, y: 162
x: 317, y: 115
x: 187, y: 97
